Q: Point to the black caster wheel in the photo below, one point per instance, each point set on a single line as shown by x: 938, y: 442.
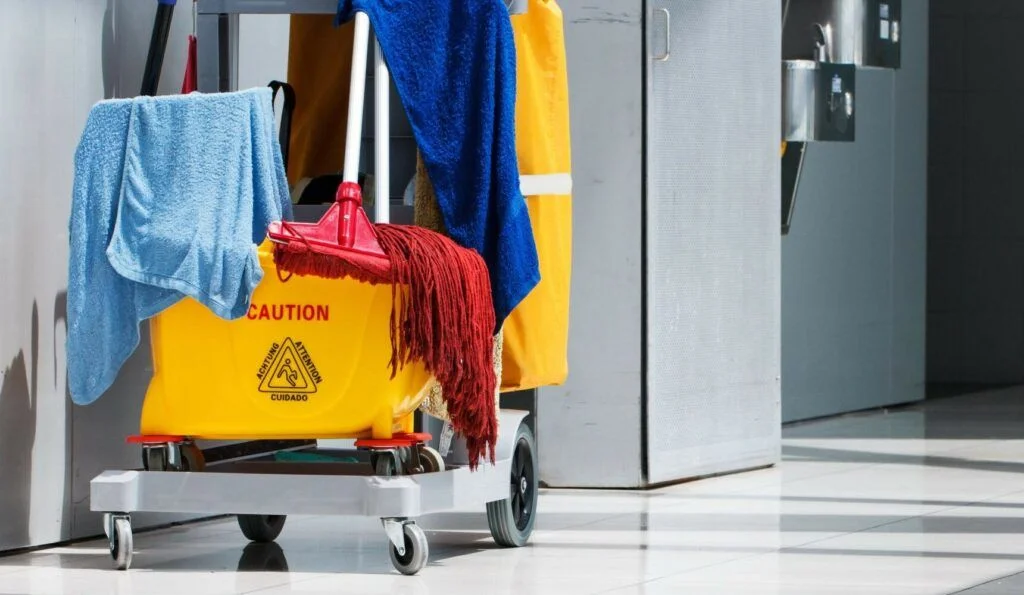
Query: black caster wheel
x: 261, y: 528
x: 416, y: 551
x: 189, y: 457
x: 154, y: 458
x: 121, y: 542
x: 192, y: 458
x: 384, y: 464
x: 511, y: 520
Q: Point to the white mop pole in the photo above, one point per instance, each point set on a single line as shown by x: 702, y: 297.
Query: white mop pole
x: 382, y: 138
x: 353, y: 135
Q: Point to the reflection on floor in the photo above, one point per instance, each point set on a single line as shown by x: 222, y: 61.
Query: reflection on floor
x: 928, y: 500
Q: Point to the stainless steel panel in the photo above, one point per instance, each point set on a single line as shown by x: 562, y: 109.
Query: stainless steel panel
x: 837, y: 268
x: 713, y: 238
x: 818, y: 101
x: 867, y: 33
x: 854, y: 262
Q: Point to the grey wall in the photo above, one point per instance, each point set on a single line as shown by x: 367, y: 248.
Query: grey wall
x: 854, y: 264
x: 976, y: 215
x: 63, y: 56
x: 589, y: 428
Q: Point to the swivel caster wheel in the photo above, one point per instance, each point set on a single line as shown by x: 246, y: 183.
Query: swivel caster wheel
x: 154, y: 457
x: 430, y: 460
x: 186, y: 456
x: 192, y: 458
x: 384, y: 463
x: 414, y: 557
x: 511, y: 520
x: 261, y: 528
x: 121, y: 542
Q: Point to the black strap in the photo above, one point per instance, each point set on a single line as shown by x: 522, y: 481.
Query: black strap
x: 157, y: 47
x: 286, y: 115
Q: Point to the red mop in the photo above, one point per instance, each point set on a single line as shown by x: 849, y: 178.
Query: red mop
x: 342, y: 244
x: 446, y: 318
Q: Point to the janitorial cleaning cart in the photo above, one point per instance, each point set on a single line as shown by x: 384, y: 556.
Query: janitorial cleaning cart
x: 308, y: 362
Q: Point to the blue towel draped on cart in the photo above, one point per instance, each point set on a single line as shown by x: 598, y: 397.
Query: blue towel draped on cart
x: 454, y: 66
x: 171, y: 197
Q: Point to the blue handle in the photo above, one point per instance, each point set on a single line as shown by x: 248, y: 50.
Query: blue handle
x: 167, y: 2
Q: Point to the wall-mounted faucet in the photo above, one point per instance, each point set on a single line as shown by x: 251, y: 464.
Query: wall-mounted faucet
x: 823, y: 42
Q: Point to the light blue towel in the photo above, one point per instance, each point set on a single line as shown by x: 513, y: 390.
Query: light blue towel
x: 171, y: 197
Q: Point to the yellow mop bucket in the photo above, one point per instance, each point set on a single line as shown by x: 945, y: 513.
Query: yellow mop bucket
x: 309, y: 360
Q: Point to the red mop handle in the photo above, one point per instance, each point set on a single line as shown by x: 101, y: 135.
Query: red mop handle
x: 349, y: 198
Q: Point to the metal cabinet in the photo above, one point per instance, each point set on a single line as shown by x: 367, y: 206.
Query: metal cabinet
x: 674, y: 335
x: 712, y: 243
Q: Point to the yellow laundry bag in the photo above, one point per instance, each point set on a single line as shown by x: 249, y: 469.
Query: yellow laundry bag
x: 535, y: 345
x: 320, y: 70
x: 536, y: 334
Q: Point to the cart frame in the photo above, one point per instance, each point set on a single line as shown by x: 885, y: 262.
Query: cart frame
x: 394, y: 480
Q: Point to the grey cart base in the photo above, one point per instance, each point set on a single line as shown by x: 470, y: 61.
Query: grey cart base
x: 263, y: 492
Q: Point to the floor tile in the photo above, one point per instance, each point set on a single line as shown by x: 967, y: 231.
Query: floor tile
x: 1007, y: 585
x: 839, y: 571
x: 718, y: 588
x: 926, y: 500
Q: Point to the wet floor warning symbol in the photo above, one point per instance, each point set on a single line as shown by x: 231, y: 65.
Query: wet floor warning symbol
x: 288, y: 368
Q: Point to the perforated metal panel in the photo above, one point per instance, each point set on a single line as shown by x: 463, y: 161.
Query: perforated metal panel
x: 712, y: 293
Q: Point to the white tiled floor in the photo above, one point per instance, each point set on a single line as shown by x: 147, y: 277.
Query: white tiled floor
x: 925, y: 501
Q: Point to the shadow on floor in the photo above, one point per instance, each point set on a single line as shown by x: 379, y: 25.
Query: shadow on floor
x: 997, y: 414
x: 838, y: 500
x: 840, y: 455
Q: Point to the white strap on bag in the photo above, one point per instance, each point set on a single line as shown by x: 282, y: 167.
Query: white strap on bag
x: 541, y: 184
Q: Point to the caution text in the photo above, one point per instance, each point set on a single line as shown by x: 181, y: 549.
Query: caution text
x: 305, y: 312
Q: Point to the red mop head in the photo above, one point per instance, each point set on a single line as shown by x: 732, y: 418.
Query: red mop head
x: 299, y: 259
x: 446, y: 320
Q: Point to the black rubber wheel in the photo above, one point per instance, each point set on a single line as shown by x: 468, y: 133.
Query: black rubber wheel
x: 261, y: 528
x: 192, y: 458
x: 154, y: 458
x: 384, y: 464
x: 511, y: 520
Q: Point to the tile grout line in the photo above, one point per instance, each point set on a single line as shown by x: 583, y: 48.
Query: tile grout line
x: 988, y: 582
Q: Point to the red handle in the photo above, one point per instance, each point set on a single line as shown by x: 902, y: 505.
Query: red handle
x: 349, y: 198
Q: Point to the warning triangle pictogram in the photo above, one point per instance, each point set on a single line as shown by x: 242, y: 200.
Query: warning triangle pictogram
x: 287, y: 373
